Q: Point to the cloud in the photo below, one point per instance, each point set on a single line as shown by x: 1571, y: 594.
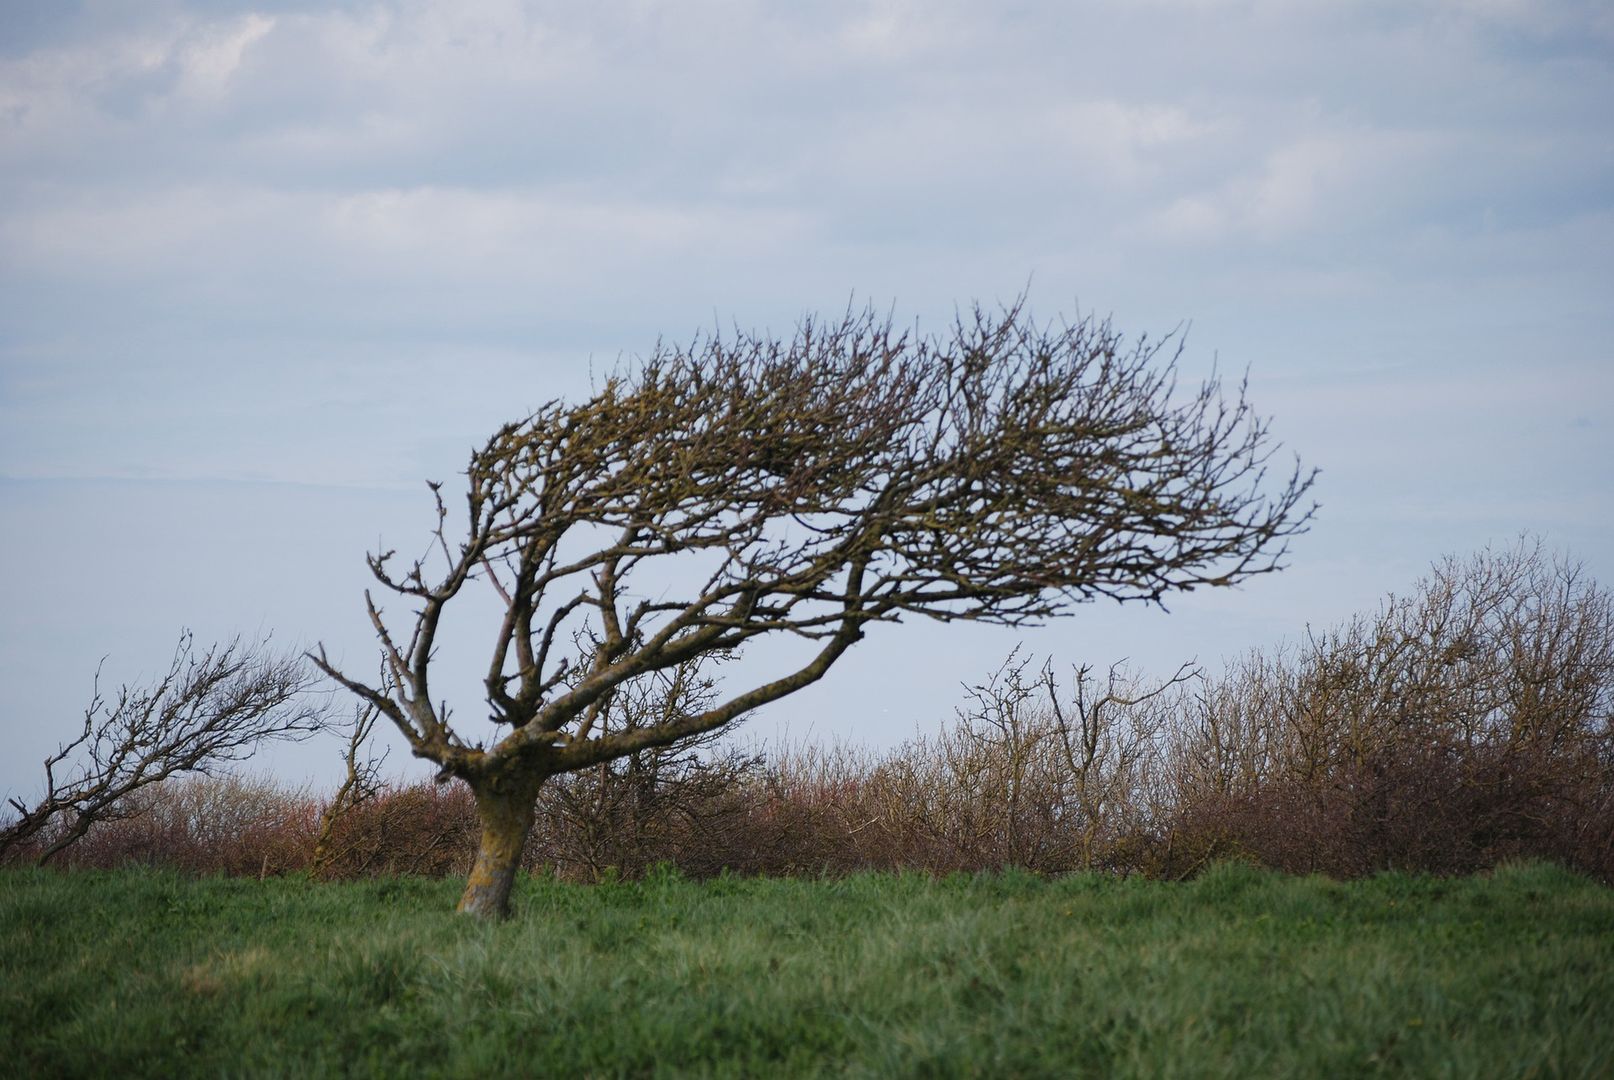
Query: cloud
x: 1313, y: 183
x: 513, y: 237
x: 887, y: 31
x: 208, y: 62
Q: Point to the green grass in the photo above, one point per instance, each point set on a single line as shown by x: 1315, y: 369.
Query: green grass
x: 1239, y: 973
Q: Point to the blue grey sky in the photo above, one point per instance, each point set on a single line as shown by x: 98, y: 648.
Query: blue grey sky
x: 266, y: 267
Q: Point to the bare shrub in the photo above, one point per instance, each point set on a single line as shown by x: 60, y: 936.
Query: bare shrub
x: 621, y: 818
x: 420, y: 828
x: 1029, y: 775
x: 1464, y: 724
x: 672, y: 803
x: 239, y: 825
x: 811, y: 810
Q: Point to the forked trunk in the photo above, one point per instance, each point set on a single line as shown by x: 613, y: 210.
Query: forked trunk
x: 506, y: 814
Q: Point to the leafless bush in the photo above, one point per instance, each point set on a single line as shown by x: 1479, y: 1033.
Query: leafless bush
x: 674, y: 803
x: 1029, y: 774
x: 809, y: 809
x: 420, y: 828
x: 238, y: 825
x: 1458, y: 726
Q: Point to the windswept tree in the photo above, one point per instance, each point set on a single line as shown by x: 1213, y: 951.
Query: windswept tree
x: 853, y: 474
x: 211, y: 709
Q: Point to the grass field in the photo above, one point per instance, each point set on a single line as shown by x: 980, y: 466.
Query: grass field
x: 1238, y: 973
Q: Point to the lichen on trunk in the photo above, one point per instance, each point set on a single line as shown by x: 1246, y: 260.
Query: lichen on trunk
x: 506, y: 813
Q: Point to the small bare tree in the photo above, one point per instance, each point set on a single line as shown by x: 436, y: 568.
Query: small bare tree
x: 812, y: 487
x: 1112, y: 740
x: 361, y: 783
x: 999, y: 754
x: 212, y: 708
x: 1041, y: 777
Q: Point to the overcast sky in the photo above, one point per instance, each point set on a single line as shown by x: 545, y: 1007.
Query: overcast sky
x: 264, y: 268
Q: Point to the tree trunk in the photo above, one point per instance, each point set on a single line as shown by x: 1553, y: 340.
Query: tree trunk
x: 506, y: 813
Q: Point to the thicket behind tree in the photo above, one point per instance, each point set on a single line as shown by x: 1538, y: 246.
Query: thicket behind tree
x: 1466, y: 722
x: 853, y: 474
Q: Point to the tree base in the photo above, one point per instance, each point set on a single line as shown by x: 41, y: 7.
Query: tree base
x: 506, y: 818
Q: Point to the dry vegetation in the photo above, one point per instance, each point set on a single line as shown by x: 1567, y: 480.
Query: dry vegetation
x: 1460, y: 726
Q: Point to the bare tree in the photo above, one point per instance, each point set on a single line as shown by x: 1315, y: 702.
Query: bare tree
x: 211, y: 709
x: 361, y: 783
x: 998, y: 753
x: 1037, y: 776
x: 1111, y: 740
x: 850, y: 475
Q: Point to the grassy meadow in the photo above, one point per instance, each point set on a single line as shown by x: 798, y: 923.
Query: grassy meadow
x: 1241, y: 972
